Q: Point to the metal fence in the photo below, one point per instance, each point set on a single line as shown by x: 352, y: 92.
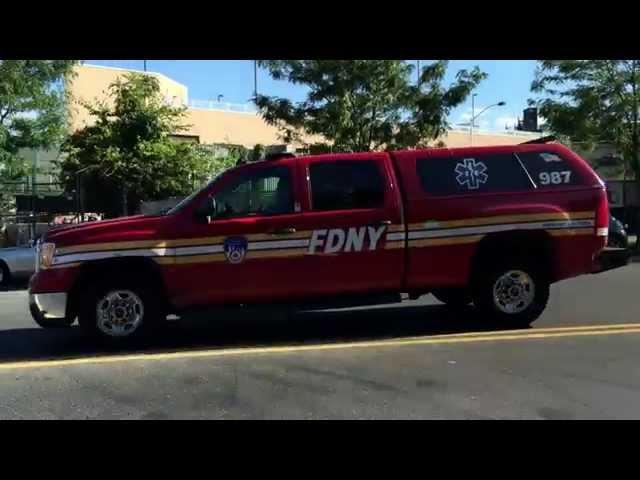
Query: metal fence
x: 224, y: 106
x: 27, y: 188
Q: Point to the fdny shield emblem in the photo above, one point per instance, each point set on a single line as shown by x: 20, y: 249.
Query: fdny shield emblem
x: 235, y: 249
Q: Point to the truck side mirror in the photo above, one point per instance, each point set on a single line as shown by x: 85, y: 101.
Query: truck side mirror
x: 207, y: 211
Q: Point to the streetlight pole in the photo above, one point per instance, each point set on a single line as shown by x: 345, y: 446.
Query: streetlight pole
x: 255, y: 79
x: 474, y: 116
x: 145, y: 65
x: 418, y: 65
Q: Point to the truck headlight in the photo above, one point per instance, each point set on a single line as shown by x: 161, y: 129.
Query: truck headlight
x: 46, y: 253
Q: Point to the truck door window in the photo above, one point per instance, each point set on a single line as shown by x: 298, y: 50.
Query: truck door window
x: 549, y: 169
x: 266, y: 191
x: 345, y: 185
x: 475, y: 173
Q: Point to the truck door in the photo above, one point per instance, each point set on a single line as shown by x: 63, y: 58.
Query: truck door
x: 352, y: 213
x: 251, y: 248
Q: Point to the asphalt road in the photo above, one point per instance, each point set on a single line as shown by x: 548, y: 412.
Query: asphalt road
x: 416, y: 360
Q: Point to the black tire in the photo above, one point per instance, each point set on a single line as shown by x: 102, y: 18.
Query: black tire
x: 526, y: 311
x: 5, y: 275
x: 146, y: 307
x: 616, y: 241
x: 453, y: 297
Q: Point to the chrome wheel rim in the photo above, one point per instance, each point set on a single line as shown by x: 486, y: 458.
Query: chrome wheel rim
x: 119, y: 313
x: 513, y: 292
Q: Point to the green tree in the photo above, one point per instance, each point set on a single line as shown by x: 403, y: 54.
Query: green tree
x: 362, y: 105
x: 592, y: 101
x: 32, y: 112
x: 129, y: 153
x: 220, y: 157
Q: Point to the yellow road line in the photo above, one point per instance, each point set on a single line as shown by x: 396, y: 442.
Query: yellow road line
x: 432, y: 340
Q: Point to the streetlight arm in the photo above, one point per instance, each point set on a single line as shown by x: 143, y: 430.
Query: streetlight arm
x: 499, y: 104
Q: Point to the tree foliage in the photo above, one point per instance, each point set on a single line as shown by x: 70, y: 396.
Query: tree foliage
x: 129, y: 152
x: 362, y: 105
x: 32, y: 111
x: 592, y: 101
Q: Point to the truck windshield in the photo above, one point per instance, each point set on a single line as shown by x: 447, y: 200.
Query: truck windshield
x: 188, y: 199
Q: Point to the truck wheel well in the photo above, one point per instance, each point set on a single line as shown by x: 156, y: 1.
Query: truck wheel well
x: 141, y: 269
x: 535, y: 245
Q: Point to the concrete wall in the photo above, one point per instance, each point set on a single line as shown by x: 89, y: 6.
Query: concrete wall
x: 247, y: 129
x: 91, y: 82
x: 461, y: 138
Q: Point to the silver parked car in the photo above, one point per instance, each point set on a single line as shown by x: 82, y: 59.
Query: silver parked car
x: 17, y: 263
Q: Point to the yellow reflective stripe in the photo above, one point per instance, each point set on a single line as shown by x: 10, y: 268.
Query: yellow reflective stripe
x: 498, y: 219
x: 396, y: 228
x: 108, y: 246
x: 289, y: 252
x: 185, y: 260
x: 65, y: 265
x: 572, y: 231
x: 394, y: 244
x: 436, y: 242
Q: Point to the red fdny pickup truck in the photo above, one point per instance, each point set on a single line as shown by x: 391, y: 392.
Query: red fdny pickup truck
x: 492, y: 226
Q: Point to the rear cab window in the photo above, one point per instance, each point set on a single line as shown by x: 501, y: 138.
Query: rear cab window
x: 549, y: 169
x: 451, y: 174
x: 346, y: 185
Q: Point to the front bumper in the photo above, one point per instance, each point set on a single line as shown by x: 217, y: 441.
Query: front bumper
x: 611, y: 258
x: 49, y: 306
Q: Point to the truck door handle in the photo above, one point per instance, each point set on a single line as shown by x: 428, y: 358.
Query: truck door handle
x: 385, y: 222
x: 283, y: 231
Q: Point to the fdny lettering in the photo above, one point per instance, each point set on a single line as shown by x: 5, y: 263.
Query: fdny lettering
x: 341, y: 240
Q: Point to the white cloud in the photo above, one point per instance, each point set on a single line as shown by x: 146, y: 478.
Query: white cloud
x: 505, y: 121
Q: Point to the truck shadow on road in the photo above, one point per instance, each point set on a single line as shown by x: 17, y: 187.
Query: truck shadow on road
x: 252, y: 327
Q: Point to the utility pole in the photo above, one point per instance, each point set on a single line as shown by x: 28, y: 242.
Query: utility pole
x: 418, y: 82
x: 473, y: 118
x: 145, y: 65
x: 255, y: 79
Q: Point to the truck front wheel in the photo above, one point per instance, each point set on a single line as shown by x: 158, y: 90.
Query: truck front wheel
x: 512, y: 293
x: 119, y: 311
x: 5, y: 275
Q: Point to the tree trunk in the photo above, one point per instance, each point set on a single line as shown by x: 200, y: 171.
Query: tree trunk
x: 635, y: 158
x: 635, y: 141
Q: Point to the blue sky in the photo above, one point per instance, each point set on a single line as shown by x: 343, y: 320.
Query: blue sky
x: 509, y: 81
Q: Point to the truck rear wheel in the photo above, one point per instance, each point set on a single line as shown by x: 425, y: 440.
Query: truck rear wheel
x: 453, y: 297
x: 119, y: 311
x: 5, y: 275
x: 513, y: 293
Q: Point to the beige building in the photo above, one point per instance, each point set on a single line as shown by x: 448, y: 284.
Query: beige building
x: 212, y: 122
